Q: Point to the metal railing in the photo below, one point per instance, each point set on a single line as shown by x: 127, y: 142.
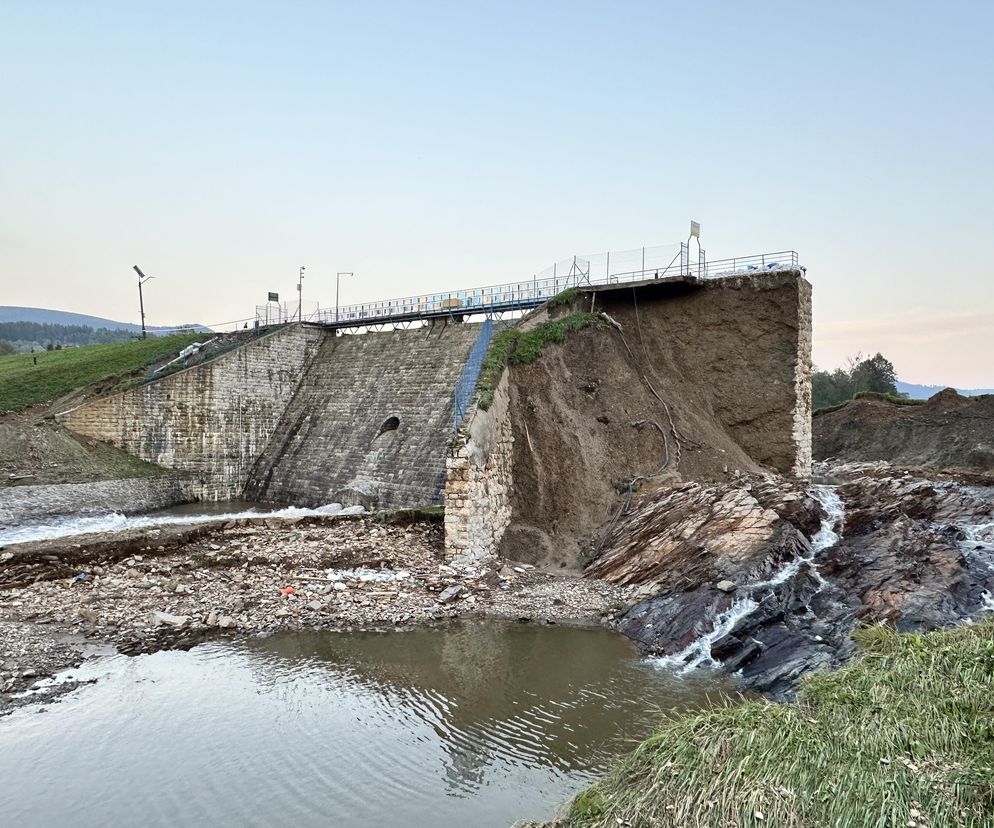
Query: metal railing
x: 466, y: 383
x: 673, y: 261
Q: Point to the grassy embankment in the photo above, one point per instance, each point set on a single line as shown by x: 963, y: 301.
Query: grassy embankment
x: 23, y: 383
x: 902, y: 737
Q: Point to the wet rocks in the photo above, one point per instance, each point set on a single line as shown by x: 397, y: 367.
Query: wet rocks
x: 758, y: 582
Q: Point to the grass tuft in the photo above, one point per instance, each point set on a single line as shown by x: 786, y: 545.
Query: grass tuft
x: 904, y: 736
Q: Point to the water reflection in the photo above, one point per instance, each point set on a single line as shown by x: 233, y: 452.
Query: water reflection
x: 471, y: 724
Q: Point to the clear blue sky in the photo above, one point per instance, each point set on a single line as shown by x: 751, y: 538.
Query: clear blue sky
x: 431, y: 146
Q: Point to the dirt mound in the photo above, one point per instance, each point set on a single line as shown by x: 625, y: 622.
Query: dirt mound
x: 948, y: 432
x: 35, y: 451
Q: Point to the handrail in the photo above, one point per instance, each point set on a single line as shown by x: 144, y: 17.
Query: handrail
x: 528, y: 293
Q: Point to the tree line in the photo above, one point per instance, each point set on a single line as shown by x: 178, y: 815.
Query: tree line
x: 874, y: 374
x: 26, y: 336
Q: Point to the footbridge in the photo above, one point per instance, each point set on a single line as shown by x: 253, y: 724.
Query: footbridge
x: 496, y: 301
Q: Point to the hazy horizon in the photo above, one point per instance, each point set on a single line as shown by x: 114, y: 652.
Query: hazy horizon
x: 434, y: 146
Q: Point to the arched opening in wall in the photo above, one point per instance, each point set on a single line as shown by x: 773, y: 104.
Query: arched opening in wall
x: 389, y: 424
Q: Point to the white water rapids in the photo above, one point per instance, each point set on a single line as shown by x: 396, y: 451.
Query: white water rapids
x: 698, y: 652
x: 116, y: 522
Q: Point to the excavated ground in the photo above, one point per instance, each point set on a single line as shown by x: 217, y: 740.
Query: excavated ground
x: 948, y: 433
x: 586, y: 424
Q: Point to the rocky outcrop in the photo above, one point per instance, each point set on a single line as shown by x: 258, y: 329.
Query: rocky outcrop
x: 948, y: 433
x: 767, y: 582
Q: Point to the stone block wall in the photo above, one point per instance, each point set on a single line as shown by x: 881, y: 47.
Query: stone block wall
x: 29, y: 504
x: 478, y: 481
x: 370, y: 423
x: 211, y: 421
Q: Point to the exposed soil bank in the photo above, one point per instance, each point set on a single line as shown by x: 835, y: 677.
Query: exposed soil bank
x: 174, y: 587
x: 948, y: 433
x: 661, y: 387
x: 901, y: 737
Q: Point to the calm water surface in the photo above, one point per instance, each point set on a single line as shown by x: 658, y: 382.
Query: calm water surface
x: 474, y: 724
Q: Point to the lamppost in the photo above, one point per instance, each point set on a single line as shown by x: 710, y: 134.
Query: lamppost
x: 142, y: 278
x: 300, y: 294
x: 338, y: 277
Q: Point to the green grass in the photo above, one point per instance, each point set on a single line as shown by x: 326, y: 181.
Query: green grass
x: 904, y: 736
x: 521, y: 348
x: 22, y: 383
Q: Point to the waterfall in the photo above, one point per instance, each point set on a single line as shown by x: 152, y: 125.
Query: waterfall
x: 698, y: 652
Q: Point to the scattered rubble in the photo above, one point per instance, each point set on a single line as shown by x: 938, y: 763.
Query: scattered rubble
x: 259, y: 577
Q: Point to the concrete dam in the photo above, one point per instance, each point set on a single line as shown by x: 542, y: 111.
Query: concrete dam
x: 305, y: 415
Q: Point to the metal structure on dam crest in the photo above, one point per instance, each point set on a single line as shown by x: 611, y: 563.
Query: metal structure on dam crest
x: 518, y: 297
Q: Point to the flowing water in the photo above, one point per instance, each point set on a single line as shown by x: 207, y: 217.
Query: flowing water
x: 749, y: 596
x: 466, y: 725
x: 191, y: 513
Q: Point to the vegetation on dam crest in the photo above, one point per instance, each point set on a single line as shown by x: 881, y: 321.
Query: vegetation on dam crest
x: 904, y: 736
x: 30, y: 379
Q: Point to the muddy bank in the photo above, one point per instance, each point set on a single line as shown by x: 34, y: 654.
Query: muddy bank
x: 767, y: 582
x: 948, y: 432
x: 178, y: 586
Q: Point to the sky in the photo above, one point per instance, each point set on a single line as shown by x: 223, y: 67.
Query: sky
x: 432, y: 146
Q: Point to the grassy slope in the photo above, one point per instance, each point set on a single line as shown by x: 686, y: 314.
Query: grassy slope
x: 902, y: 737
x: 22, y: 383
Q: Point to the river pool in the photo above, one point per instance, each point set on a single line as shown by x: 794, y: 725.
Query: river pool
x: 470, y: 724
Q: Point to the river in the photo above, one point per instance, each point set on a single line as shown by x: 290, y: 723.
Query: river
x: 468, y: 724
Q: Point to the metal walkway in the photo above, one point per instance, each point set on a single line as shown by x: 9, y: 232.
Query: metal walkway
x: 496, y: 300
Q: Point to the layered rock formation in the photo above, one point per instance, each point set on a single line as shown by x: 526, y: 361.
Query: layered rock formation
x: 767, y: 581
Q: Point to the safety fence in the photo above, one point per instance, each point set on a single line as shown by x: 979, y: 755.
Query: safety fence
x: 661, y: 262
x: 466, y: 383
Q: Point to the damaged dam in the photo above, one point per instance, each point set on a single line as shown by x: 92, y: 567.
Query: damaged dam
x: 702, y: 378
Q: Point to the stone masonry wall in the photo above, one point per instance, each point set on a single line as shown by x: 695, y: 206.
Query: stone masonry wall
x: 212, y: 420
x: 478, y: 481
x: 370, y: 423
x: 24, y: 504
x: 802, y: 430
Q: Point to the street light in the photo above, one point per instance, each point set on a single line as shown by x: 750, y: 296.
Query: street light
x: 338, y: 276
x: 142, y: 278
x: 300, y: 294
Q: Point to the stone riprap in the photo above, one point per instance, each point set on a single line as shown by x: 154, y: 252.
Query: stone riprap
x: 28, y: 504
x: 370, y: 423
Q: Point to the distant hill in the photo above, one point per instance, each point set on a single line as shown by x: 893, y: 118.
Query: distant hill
x: 44, y: 316
x: 923, y: 392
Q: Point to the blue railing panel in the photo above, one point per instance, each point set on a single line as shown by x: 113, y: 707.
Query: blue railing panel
x: 466, y: 384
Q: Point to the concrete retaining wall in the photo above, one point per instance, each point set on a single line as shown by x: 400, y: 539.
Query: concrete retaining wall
x: 29, y: 504
x: 212, y: 420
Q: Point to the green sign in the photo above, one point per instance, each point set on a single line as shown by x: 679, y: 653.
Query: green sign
x: 274, y: 297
